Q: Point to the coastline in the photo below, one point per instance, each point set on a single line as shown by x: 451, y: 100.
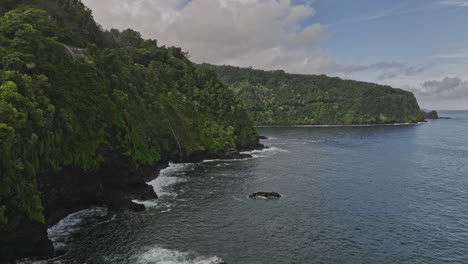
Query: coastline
x: 357, y: 125
x: 115, y: 186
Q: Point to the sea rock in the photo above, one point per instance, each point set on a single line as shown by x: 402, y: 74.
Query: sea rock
x: 265, y: 195
x: 262, y: 137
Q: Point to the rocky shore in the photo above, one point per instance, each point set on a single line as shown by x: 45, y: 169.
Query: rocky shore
x: 114, y: 185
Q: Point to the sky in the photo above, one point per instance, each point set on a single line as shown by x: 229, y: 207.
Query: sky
x: 416, y: 45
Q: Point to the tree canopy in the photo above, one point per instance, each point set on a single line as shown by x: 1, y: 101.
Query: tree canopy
x: 279, y: 98
x: 71, y: 94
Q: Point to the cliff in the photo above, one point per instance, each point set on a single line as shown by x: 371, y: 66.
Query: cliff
x: 279, y: 98
x: 87, y: 115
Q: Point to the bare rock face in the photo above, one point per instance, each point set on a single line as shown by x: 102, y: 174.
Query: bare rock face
x: 265, y: 195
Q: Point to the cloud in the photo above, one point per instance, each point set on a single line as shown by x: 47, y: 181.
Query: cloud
x: 463, y: 54
x: 459, y: 3
x: 258, y: 33
x: 389, y: 12
x: 387, y: 70
x: 447, y: 88
x: 263, y: 34
x: 271, y: 35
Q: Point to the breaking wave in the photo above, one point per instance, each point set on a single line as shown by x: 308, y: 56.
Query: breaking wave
x: 159, y: 255
x: 62, y: 233
x: 264, y: 153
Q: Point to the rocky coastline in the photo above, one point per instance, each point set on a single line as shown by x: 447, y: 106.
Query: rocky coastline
x: 113, y: 185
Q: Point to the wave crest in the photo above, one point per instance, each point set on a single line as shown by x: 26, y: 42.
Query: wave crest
x: 160, y: 255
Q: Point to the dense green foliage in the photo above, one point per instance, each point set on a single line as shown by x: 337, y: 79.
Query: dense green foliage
x: 431, y: 115
x: 72, y: 94
x: 279, y: 98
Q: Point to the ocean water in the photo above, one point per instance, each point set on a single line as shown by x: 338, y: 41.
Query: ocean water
x: 380, y: 194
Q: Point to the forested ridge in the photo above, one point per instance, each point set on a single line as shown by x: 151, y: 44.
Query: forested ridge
x: 72, y: 95
x: 279, y: 98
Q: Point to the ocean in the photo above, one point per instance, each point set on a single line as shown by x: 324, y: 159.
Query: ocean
x: 372, y: 194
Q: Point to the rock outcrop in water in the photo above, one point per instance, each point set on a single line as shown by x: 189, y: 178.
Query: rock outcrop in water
x: 265, y: 195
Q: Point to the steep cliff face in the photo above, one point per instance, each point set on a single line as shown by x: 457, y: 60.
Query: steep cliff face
x: 114, y: 185
x: 279, y: 98
x: 87, y: 115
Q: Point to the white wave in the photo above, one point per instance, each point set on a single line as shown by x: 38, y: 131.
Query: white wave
x: 168, y: 177
x: 60, y: 234
x: 159, y: 255
x: 300, y: 142
x: 266, y: 150
x: 359, y: 125
x: 255, y: 154
x: 265, y: 153
x: 147, y: 203
x: 215, y: 160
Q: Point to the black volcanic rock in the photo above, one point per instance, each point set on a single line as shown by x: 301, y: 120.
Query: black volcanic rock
x: 265, y: 195
x: 255, y: 145
x: 23, y: 237
x: 262, y: 137
x: 115, y: 184
x: 224, y: 154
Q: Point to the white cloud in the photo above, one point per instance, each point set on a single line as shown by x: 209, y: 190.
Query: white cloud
x: 259, y: 33
x: 450, y: 92
x: 460, y: 3
x: 462, y: 54
x: 448, y: 87
x: 271, y: 35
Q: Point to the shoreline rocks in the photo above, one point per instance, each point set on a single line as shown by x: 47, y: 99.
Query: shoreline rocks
x: 114, y: 185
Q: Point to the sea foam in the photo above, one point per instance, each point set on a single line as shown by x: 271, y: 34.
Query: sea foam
x: 60, y: 234
x: 168, y: 177
x: 158, y: 255
x: 265, y: 153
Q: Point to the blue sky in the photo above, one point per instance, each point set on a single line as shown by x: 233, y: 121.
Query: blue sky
x: 417, y: 45
x: 410, y: 31
x: 428, y: 36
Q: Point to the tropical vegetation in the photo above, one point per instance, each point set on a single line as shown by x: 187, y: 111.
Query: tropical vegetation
x: 279, y: 98
x: 72, y: 93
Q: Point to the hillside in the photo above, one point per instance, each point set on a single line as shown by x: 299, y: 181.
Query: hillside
x: 279, y: 98
x: 86, y: 114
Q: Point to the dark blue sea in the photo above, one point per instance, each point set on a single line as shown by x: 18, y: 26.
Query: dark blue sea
x: 376, y: 194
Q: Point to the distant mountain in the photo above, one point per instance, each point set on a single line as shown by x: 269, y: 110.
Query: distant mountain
x: 279, y: 98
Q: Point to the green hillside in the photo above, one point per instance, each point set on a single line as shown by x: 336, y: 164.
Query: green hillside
x: 73, y: 95
x: 279, y: 98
